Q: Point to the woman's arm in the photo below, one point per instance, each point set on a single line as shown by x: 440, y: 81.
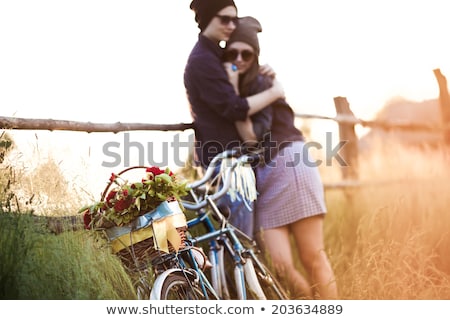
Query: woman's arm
x: 246, y: 132
x: 245, y: 127
x: 258, y: 101
x: 261, y: 100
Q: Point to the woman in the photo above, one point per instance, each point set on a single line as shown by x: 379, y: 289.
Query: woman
x: 214, y: 104
x: 291, y: 199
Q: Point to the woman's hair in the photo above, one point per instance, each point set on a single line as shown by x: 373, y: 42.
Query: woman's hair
x: 247, y: 79
x: 247, y: 31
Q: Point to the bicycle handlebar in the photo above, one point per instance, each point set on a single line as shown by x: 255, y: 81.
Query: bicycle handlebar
x: 212, y: 167
x: 244, y: 159
x: 256, y: 155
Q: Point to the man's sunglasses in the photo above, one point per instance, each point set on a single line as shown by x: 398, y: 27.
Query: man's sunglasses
x: 231, y: 55
x: 225, y: 20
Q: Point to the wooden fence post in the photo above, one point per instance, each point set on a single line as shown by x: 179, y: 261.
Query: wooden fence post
x: 444, y: 102
x: 347, y: 133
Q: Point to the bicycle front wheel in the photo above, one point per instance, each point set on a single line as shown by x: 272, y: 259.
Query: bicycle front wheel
x: 177, y: 287
x: 273, y: 290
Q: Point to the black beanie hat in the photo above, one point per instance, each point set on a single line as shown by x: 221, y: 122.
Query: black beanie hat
x: 247, y: 31
x: 205, y: 10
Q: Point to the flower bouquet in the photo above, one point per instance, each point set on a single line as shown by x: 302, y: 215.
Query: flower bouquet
x: 127, y: 201
x: 145, y: 215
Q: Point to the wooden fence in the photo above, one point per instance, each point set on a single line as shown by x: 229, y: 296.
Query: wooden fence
x: 344, y: 117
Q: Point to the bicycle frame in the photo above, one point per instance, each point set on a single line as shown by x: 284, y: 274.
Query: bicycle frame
x: 225, y: 238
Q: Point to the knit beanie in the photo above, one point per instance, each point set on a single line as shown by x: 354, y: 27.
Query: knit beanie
x: 205, y: 10
x: 247, y: 31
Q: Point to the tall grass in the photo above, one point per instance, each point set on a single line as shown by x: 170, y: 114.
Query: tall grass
x: 36, y: 264
x: 390, y: 238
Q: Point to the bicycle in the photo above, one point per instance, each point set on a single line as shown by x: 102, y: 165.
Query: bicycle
x: 179, y: 274
x: 161, y: 269
x: 252, y: 279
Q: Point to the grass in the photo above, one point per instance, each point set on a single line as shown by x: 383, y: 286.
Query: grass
x: 391, y: 251
x: 37, y: 264
x: 388, y: 239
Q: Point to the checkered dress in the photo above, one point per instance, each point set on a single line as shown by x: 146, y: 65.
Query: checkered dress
x: 289, y: 188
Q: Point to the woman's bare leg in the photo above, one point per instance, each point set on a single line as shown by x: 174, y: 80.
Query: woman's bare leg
x: 308, y: 235
x: 276, y: 242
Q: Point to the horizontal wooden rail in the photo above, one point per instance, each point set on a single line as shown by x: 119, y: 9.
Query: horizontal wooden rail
x: 50, y: 124
x: 10, y: 123
x: 386, y: 125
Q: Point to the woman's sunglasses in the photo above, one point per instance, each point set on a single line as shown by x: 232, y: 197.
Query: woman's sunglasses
x: 231, y: 55
x: 225, y: 20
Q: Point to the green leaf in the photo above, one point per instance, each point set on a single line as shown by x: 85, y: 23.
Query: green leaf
x: 161, y: 196
x: 149, y: 182
x: 137, y: 203
x: 83, y: 209
x: 138, y: 185
x: 165, y: 178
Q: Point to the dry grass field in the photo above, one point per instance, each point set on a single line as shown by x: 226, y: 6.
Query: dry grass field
x: 387, y: 239
x: 390, y: 238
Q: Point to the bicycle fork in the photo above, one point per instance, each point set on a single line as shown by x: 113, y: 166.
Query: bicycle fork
x: 218, y: 277
x: 244, y: 269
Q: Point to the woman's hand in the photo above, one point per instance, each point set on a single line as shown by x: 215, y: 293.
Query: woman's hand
x: 267, y: 70
x: 233, y: 75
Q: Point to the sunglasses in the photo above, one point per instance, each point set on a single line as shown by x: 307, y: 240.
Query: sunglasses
x: 225, y: 20
x: 231, y: 55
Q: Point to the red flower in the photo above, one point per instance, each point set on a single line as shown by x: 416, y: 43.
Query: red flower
x: 154, y: 170
x: 113, y: 177
x: 123, y: 204
x: 87, y: 218
x: 110, y: 197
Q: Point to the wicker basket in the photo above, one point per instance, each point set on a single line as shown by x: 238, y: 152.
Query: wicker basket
x: 136, y: 243
x: 139, y: 255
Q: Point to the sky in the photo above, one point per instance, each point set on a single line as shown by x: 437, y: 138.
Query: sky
x: 110, y: 60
